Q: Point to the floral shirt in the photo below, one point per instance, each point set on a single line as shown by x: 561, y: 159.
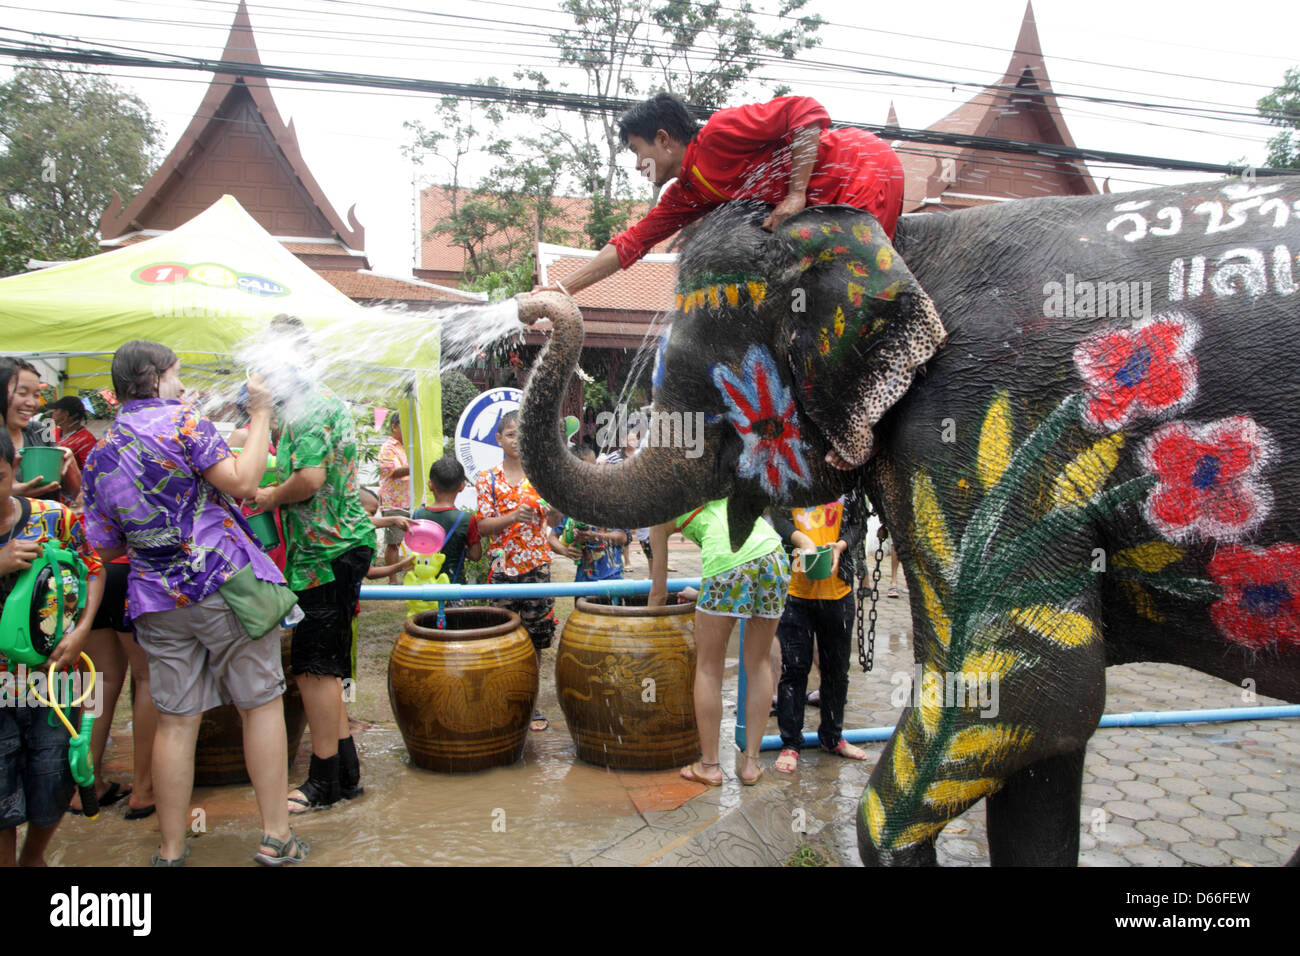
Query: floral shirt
x: 525, y: 545
x: 332, y: 521
x: 51, y: 521
x: 393, y: 492
x: 145, y: 491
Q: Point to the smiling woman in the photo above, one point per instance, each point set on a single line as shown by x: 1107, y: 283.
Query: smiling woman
x: 20, y: 400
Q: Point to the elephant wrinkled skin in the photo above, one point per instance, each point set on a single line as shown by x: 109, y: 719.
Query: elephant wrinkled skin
x: 1090, y: 470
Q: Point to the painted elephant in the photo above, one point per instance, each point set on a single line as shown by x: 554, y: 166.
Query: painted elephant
x: 1091, y: 470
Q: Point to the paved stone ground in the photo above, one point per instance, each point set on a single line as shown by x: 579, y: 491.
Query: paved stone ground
x: 1199, y: 794
x: 1204, y: 794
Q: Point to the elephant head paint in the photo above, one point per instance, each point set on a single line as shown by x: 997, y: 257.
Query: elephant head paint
x: 1093, y: 469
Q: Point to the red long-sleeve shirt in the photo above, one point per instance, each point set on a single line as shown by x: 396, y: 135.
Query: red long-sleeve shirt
x: 744, y: 153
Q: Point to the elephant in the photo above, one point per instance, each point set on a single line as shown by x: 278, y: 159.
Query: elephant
x: 1082, y: 465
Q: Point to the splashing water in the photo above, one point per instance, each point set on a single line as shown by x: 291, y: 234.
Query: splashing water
x: 292, y: 358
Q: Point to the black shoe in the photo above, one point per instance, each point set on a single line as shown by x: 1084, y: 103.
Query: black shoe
x: 349, y: 770
x: 322, y: 790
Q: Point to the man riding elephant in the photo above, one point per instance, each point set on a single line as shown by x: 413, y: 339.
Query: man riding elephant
x: 783, y: 153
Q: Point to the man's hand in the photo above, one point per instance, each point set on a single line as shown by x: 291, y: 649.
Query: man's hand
x: 658, y: 595
x: 787, y: 207
x: 265, y: 497
x: 18, y: 556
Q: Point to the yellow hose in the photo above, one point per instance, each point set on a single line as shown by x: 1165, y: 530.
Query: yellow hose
x: 53, y: 703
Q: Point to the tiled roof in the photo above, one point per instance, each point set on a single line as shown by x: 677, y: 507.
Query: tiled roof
x: 367, y: 285
x: 316, y: 248
x: 646, y: 286
x: 437, y: 252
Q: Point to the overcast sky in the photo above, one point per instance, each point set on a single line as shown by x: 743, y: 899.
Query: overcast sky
x: 1192, y: 53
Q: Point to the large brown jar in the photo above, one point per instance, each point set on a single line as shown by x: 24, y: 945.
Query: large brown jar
x: 463, y: 695
x: 219, y: 752
x: 625, y: 676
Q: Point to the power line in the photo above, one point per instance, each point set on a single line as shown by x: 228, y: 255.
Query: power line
x: 599, y: 105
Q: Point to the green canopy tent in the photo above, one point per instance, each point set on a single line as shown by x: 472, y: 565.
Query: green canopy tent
x: 204, y: 290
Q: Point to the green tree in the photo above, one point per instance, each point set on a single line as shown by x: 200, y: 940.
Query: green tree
x: 457, y: 392
x: 68, y: 141
x: 1282, y: 108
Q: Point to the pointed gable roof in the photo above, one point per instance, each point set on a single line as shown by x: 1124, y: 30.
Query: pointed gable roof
x: 1019, y: 106
x: 238, y: 144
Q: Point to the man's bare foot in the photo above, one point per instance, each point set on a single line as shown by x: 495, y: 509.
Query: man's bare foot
x: 847, y: 751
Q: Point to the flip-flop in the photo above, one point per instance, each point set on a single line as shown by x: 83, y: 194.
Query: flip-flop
x: 791, y: 768
x: 754, y: 779
x: 688, y: 773
x: 140, y: 813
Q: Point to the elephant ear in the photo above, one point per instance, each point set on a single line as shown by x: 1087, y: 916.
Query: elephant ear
x: 859, y: 325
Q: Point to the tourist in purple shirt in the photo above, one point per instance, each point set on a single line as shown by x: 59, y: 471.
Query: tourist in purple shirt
x: 158, y: 488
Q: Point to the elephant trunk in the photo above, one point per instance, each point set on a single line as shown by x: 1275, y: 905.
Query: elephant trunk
x: 646, y: 489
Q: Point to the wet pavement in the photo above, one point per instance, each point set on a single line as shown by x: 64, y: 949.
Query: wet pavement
x: 1200, y: 794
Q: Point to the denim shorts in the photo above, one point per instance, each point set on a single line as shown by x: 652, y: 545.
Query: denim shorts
x: 35, y: 777
x: 754, y: 589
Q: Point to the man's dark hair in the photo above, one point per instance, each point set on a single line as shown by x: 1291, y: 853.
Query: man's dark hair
x: 663, y: 111
x: 70, y: 406
x: 394, y: 419
x: 446, y: 474
x: 6, y: 448
x: 137, y: 367
x: 507, y: 419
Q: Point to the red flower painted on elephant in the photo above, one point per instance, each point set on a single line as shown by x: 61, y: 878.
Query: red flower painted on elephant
x: 763, y: 413
x: 1209, y: 479
x: 1261, y: 594
x: 1144, y: 370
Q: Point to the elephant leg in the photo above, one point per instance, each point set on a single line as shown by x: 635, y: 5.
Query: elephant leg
x: 916, y: 789
x: 1034, y: 819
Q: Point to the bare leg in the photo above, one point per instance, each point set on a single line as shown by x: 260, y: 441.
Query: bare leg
x: 265, y: 748
x: 173, y: 772
x: 110, y: 673
x: 144, y: 725
x: 34, y: 846
x: 391, y: 557
x: 759, y: 634
x: 711, y: 633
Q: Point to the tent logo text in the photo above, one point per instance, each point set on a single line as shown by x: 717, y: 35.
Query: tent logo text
x: 211, y: 274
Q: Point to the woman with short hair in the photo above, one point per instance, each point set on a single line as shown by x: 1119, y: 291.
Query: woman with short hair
x: 160, y: 487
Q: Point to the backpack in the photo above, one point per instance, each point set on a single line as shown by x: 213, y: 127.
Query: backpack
x: 44, y: 603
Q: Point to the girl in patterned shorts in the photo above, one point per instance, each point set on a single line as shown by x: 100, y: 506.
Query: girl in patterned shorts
x: 749, y: 583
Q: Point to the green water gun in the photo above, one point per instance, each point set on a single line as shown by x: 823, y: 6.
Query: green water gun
x: 83, y: 769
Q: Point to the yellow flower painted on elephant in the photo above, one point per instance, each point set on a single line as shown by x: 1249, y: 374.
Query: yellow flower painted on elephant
x: 930, y: 523
x: 839, y: 321
x: 733, y: 294
x: 862, y: 232
x: 1056, y: 624
x: 856, y: 292
x: 1084, y: 476
x: 823, y: 342
x: 884, y: 258
x: 757, y: 292
x: 994, y: 452
x: 858, y: 269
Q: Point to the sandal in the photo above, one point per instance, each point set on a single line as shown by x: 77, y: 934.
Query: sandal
x: 157, y: 858
x: 893, y: 590
x: 787, y: 762
x: 291, y: 850
x: 689, y: 773
x: 750, y: 781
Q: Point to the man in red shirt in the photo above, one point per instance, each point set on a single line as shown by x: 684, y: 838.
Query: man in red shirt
x: 70, y: 417
x: 782, y: 152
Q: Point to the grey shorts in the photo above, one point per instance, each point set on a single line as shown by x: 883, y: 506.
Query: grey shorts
x: 201, y: 657
x: 393, y: 536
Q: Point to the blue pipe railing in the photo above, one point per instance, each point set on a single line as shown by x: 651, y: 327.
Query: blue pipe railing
x: 630, y: 588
